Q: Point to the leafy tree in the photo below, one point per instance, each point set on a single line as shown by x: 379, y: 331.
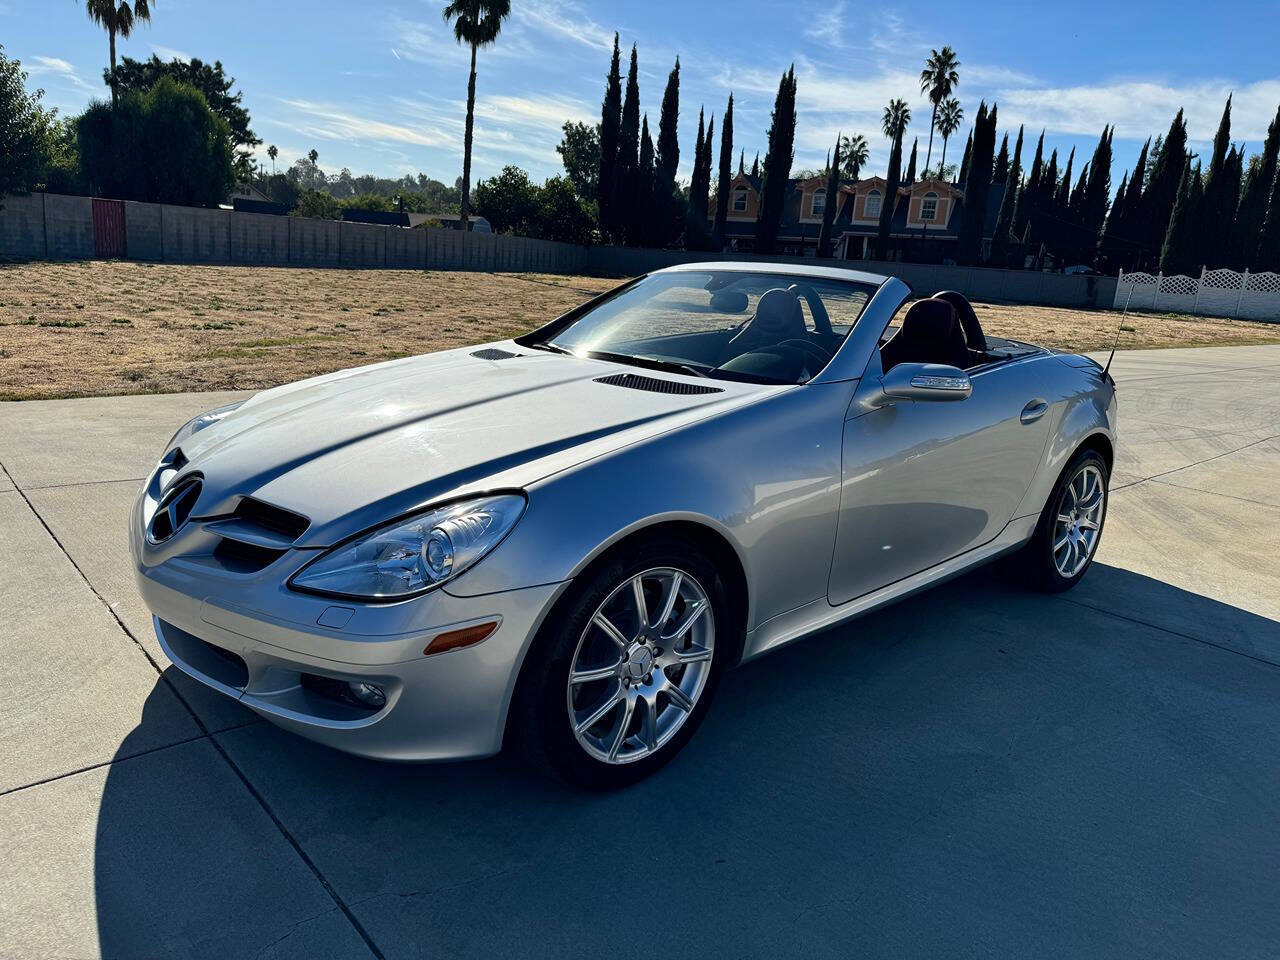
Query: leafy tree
x: 281, y: 190
x: 1178, y: 255
x: 725, y: 175
x: 893, y: 123
x: 163, y: 146
x: 610, y: 123
x: 911, y: 163
x: 833, y: 201
x: 950, y: 116
x: 938, y: 78
x: 1002, y: 236
x: 211, y: 80
x: 27, y: 131
x: 118, y: 18
x: 316, y: 205
x: 579, y: 149
x: 977, y: 186
x: 1162, y: 187
x: 476, y: 23
x: 565, y: 215
x: 510, y: 202
x: 1253, y: 199
x: 777, y: 163
x: 625, y: 170
x: 854, y: 155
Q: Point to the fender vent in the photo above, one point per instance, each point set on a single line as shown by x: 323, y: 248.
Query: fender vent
x: 492, y: 353
x: 633, y: 381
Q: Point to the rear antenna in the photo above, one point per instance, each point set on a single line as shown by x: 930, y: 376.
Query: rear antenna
x: 1118, y: 332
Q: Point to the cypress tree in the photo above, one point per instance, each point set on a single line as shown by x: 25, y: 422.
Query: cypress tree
x: 833, y: 201
x: 1161, y: 191
x: 1121, y: 241
x: 610, y: 121
x: 1004, y: 219
x: 1095, y: 195
x: 911, y: 164
x: 1178, y: 255
x: 628, y: 219
x: 667, y: 159
x: 1029, y: 192
x: 696, y: 186
x: 977, y: 186
x: 890, y: 198
x: 1252, y: 210
x: 1221, y: 193
x: 742, y: 161
x: 1001, y: 171
x: 1110, y: 243
x: 1062, y: 200
x: 643, y: 217
x: 777, y: 163
x: 726, y: 175
x: 1267, y: 256
x: 755, y: 165
x: 964, y: 163
x: 698, y: 230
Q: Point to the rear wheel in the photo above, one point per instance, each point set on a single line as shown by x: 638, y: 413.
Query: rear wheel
x: 619, y: 682
x: 1070, y: 527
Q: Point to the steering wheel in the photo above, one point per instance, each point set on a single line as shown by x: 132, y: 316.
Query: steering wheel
x: 821, y: 320
x: 813, y: 349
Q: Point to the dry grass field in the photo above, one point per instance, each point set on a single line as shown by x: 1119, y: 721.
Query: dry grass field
x: 98, y: 328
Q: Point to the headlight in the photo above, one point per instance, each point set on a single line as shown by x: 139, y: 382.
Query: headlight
x: 199, y: 423
x: 409, y: 557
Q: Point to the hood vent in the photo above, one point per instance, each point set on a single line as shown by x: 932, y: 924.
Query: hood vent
x: 633, y: 381
x: 271, y: 518
x: 492, y: 353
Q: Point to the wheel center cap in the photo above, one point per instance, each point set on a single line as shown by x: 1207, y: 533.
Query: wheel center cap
x: 639, y: 662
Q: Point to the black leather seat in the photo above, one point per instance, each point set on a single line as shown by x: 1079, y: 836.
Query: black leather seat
x: 930, y: 334
x: 778, y: 317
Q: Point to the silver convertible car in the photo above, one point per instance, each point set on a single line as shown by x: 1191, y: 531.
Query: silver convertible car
x: 561, y: 542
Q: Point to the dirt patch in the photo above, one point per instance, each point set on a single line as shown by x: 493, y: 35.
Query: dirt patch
x: 99, y: 328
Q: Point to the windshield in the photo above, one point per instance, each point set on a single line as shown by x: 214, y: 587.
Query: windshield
x: 734, y: 325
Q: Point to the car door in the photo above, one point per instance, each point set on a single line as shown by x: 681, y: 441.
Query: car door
x: 924, y: 481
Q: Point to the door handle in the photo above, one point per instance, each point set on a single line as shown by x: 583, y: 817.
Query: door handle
x: 1034, y: 410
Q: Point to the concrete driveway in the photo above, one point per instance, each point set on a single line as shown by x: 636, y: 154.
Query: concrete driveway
x: 978, y: 772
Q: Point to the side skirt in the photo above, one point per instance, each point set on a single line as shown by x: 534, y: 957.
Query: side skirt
x: 820, y: 614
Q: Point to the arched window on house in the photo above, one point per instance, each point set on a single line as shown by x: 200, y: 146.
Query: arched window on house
x: 740, y: 199
x: 819, y: 202
x: 929, y: 207
x: 873, y: 203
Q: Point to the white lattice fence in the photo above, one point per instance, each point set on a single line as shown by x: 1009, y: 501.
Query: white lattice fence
x: 1217, y: 293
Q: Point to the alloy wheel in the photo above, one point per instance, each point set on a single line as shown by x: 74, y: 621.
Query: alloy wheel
x: 640, y: 665
x: 1080, y: 511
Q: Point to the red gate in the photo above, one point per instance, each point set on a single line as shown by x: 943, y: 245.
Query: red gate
x: 108, y: 229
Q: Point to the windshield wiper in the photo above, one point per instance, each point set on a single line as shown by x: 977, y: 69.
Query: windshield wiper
x: 553, y: 348
x: 656, y: 363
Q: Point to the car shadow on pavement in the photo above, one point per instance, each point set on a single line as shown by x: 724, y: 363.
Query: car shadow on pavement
x: 976, y: 765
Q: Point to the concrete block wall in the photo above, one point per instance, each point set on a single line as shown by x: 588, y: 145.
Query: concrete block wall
x: 312, y: 243
x: 195, y: 235
x: 259, y: 239
x: 363, y: 244
x: 143, y: 240
x: 22, y: 227
x: 68, y: 227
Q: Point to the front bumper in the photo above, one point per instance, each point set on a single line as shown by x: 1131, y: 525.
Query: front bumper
x: 255, y: 641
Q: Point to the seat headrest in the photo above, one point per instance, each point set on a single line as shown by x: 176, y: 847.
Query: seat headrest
x: 930, y: 321
x: 968, y: 319
x: 779, y: 310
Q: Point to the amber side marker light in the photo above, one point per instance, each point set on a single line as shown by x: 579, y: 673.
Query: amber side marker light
x: 456, y: 639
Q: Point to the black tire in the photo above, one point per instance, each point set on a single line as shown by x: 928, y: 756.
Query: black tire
x: 1036, y: 559
x: 539, y: 726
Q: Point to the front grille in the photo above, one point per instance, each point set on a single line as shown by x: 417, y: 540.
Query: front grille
x: 492, y: 353
x: 634, y: 381
x: 240, y: 557
x: 275, y: 519
x: 174, y: 508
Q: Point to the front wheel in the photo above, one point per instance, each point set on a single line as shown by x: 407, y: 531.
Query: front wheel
x: 627, y: 670
x: 1070, y: 528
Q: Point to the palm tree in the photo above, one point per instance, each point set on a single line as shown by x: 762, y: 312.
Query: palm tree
x: 950, y: 116
x: 896, y: 117
x: 117, y: 17
x: 272, y: 152
x: 853, y: 153
x: 476, y: 23
x: 938, y: 78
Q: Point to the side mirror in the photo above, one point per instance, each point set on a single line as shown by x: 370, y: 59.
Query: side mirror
x: 923, y: 382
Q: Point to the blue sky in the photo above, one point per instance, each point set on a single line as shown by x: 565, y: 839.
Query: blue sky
x: 379, y: 86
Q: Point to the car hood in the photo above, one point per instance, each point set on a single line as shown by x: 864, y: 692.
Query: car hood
x: 360, y: 446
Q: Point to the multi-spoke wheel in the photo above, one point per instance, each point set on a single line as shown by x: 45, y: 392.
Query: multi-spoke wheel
x: 641, y: 665
x: 1071, y: 525
x: 625, y: 673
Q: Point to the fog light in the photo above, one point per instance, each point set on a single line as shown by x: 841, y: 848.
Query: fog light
x: 367, y: 694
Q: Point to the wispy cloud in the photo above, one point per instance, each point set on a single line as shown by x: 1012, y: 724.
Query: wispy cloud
x: 58, y: 69
x: 564, y: 19
x: 169, y: 53
x: 828, y: 26
x: 339, y: 123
